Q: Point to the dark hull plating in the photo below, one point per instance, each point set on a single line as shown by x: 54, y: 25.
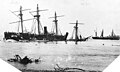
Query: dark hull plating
x: 33, y: 37
x: 84, y: 39
x: 107, y: 38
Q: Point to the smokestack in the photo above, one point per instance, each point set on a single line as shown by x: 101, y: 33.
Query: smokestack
x: 45, y: 30
x: 66, y: 35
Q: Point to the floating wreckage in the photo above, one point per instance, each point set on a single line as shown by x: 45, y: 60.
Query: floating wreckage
x: 36, y: 33
x: 24, y: 60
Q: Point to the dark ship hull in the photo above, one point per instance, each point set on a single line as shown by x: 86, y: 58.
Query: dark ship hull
x: 33, y: 37
x: 18, y: 36
x: 110, y: 37
x: 56, y: 37
x: 107, y: 38
x: 84, y: 39
x: 51, y: 37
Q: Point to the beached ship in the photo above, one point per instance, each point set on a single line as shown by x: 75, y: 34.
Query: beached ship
x: 30, y: 36
x: 77, y: 37
x: 110, y: 37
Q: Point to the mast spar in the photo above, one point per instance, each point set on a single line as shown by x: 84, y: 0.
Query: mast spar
x: 56, y: 25
x: 21, y: 18
x: 112, y: 34
x: 56, y: 22
x: 38, y: 17
x: 102, y: 33
x: 76, y: 30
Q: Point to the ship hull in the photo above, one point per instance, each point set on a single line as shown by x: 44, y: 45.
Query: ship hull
x: 33, y: 37
x: 107, y: 38
x: 84, y: 39
x: 18, y: 36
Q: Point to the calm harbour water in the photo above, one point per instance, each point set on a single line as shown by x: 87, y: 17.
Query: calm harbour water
x: 89, y: 55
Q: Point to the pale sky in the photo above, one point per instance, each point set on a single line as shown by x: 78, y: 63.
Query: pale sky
x: 95, y: 14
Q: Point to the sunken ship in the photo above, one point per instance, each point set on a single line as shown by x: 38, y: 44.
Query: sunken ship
x: 39, y: 36
x: 110, y: 37
x: 77, y: 37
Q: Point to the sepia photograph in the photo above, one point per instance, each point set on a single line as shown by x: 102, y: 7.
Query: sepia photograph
x: 59, y: 35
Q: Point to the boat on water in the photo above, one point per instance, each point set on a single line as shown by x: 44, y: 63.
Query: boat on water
x: 43, y: 35
x: 77, y: 37
x: 110, y: 37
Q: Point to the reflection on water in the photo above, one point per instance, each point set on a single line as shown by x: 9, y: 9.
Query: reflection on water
x: 90, y: 55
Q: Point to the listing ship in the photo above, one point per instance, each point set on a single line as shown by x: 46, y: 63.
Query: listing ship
x: 110, y: 37
x: 33, y: 36
x: 77, y: 37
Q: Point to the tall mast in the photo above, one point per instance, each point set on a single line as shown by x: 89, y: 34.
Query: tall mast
x: 102, y: 33
x: 21, y: 18
x: 38, y: 17
x: 76, y: 30
x: 56, y: 22
x: 112, y: 34
x: 56, y: 25
x: 95, y: 32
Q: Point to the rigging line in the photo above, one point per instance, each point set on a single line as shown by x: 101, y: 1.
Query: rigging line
x: 72, y: 33
x: 18, y: 27
x: 41, y: 26
x: 79, y: 33
x: 14, y: 14
x: 60, y: 31
x: 52, y: 29
x: 33, y: 25
x: 31, y: 14
x: 25, y: 29
x: 34, y: 29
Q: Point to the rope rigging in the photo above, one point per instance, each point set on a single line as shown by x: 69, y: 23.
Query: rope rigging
x: 37, y: 17
x: 56, y: 23
x: 72, y: 34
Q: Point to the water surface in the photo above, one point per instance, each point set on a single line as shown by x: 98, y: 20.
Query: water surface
x: 89, y: 55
